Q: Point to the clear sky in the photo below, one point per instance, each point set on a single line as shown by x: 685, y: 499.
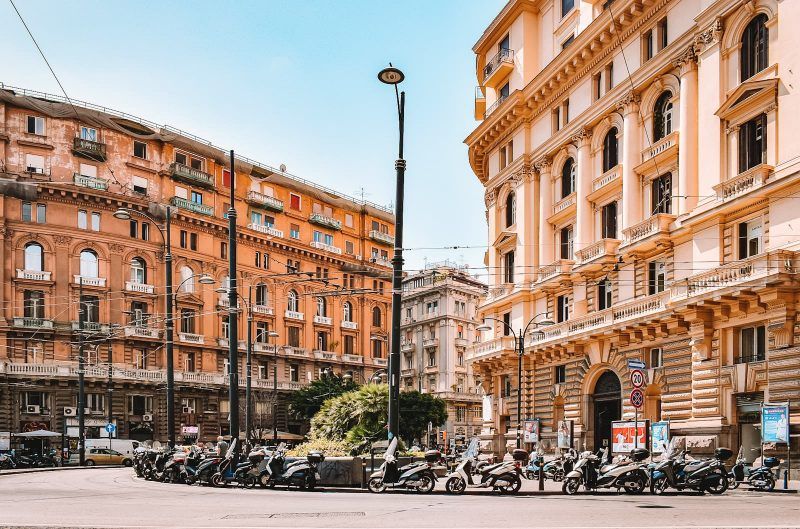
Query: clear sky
x: 290, y: 82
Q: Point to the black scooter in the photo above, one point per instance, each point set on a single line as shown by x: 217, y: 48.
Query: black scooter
x: 301, y: 473
x: 706, y: 475
x: 760, y: 478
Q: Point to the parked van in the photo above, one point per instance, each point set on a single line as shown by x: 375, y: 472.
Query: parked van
x: 125, y: 447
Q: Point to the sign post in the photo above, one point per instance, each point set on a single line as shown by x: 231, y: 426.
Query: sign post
x: 637, y: 397
x: 110, y: 428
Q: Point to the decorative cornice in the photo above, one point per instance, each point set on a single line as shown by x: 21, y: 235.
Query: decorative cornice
x: 542, y: 165
x: 629, y: 102
x: 582, y: 136
x: 687, y: 59
x: 709, y: 36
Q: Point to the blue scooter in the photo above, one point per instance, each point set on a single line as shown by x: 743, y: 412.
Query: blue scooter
x: 554, y: 470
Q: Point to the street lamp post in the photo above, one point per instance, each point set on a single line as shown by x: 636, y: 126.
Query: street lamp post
x: 393, y: 76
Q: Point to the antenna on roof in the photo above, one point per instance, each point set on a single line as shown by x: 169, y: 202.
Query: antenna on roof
x: 282, y: 168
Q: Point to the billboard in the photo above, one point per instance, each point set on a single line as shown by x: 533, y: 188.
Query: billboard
x: 659, y: 437
x: 625, y: 435
x: 775, y: 423
x: 530, y: 431
x: 565, y: 434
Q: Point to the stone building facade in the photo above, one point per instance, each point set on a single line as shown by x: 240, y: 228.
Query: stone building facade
x: 314, y: 267
x: 439, y: 307
x: 641, y: 191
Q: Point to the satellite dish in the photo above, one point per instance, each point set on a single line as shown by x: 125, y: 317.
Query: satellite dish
x: 282, y: 168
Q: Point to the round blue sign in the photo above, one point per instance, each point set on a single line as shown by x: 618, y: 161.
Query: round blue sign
x: 110, y: 427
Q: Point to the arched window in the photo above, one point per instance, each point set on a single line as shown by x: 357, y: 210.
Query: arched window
x: 662, y: 116
x: 376, y: 317
x: 261, y: 294
x: 34, y: 257
x: 511, y: 209
x: 347, y: 311
x: 138, y: 271
x: 322, y: 307
x: 568, y: 178
x: 610, y: 150
x: 89, y: 264
x: 187, y: 281
x: 292, y: 302
x: 755, y: 47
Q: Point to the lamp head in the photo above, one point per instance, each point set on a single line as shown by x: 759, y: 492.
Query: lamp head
x: 272, y: 334
x: 391, y: 75
x: 221, y: 290
x: 483, y: 327
x: 122, y: 214
x: 206, y: 279
x: 546, y: 322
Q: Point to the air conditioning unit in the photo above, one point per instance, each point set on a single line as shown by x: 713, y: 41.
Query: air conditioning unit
x: 33, y: 409
x: 147, y: 417
x: 187, y: 409
x: 70, y: 412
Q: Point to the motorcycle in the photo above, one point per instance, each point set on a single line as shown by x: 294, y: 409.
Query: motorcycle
x: 699, y: 475
x: 417, y: 476
x: 628, y: 473
x: 760, y: 478
x: 204, y: 471
x: 7, y: 462
x: 555, y: 470
x: 301, y: 473
x: 234, y: 472
x: 502, y: 477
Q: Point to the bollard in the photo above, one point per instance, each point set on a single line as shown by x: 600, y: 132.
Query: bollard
x: 785, y: 479
x: 540, y: 462
x: 363, y: 473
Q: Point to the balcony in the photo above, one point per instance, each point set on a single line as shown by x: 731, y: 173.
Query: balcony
x: 325, y: 221
x: 263, y: 309
x: 381, y: 261
x: 564, y: 208
x: 261, y: 347
x: 498, y: 67
x: 348, y: 325
x: 33, y: 275
x: 649, y: 233
x: 430, y: 342
x: 92, y: 327
x: 93, y: 150
x: 407, y: 347
x: 223, y: 301
x: 381, y: 237
x: 605, y: 182
x: 191, y: 338
x: 597, y: 255
x: 661, y: 147
x: 293, y: 315
x: 493, y: 107
x: 460, y: 342
x: 408, y: 372
x: 323, y: 320
x: 295, y: 351
x: 141, y: 288
x: 380, y: 361
x: 325, y: 355
x: 490, y: 348
x: 138, y: 331
x: 743, y: 183
x: 326, y: 247
x: 553, y: 273
x: 480, y: 103
x: 266, y: 230
x: 223, y: 342
x: 254, y: 198
x: 33, y: 323
x: 194, y: 207
x: 90, y: 182
x: 90, y: 281
x: 353, y: 359
x: 190, y: 175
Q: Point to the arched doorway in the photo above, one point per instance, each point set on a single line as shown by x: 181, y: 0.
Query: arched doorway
x: 607, y: 403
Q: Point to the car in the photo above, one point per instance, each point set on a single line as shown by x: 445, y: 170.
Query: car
x: 106, y: 456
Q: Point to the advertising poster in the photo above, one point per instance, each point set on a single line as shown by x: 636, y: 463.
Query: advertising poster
x: 625, y: 436
x: 530, y: 431
x: 775, y: 423
x: 659, y: 437
x: 564, y: 434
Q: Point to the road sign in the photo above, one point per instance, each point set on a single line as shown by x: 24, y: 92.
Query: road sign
x: 637, y: 378
x: 110, y: 427
x: 637, y: 398
x: 636, y: 364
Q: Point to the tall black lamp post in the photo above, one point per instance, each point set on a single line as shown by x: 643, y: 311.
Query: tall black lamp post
x: 393, y: 76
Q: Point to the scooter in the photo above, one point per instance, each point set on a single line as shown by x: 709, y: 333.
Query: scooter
x: 760, y: 478
x: 628, y: 474
x: 205, y: 470
x: 555, y: 470
x: 301, y: 473
x: 417, y: 476
x: 503, y: 477
x: 234, y: 471
x: 706, y: 475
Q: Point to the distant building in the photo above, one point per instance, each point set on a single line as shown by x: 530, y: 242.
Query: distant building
x: 438, y: 323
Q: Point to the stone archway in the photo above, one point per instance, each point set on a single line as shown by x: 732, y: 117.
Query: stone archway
x: 606, y: 407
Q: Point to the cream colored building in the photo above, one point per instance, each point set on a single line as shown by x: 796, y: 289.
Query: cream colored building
x: 640, y: 160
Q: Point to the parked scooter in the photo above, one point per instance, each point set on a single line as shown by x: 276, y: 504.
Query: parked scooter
x: 417, y: 476
x: 301, y: 473
x: 628, y: 473
x: 760, y: 478
x: 231, y: 470
x: 503, y: 477
x: 701, y: 475
x: 205, y: 470
x: 555, y: 470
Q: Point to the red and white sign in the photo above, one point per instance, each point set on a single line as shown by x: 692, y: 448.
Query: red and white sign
x: 637, y: 378
x: 627, y: 435
x: 637, y: 398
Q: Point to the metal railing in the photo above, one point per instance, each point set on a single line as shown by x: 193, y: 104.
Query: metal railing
x: 502, y: 56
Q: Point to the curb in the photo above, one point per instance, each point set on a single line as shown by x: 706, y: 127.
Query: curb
x: 51, y: 469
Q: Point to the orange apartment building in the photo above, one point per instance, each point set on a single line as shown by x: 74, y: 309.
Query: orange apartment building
x: 314, y: 266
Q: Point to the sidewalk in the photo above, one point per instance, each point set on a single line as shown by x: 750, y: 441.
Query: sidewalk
x: 13, y: 471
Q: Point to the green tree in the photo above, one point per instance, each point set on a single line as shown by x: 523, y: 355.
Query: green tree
x: 305, y: 403
x: 416, y: 411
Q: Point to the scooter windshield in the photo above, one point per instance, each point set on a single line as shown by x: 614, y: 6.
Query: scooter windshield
x: 472, y: 449
x: 231, y: 448
x: 391, y: 449
x: 671, y: 450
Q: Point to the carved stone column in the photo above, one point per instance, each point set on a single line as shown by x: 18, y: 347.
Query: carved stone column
x: 631, y: 156
x: 687, y: 139
x: 583, y: 186
x: 546, y: 241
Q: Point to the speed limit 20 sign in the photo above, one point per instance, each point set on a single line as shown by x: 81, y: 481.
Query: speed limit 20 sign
x: 637, y: 378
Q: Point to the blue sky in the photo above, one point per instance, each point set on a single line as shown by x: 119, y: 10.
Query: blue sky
x: 287, y: 82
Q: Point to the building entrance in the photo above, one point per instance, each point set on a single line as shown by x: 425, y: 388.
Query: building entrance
x: 607, y: 404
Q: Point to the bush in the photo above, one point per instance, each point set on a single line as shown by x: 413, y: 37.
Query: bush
x: 329, y: 447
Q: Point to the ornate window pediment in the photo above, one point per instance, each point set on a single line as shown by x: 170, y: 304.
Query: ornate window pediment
x: 748, y: 99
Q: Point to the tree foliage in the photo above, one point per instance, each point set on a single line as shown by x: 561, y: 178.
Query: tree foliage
x: 306, y: 402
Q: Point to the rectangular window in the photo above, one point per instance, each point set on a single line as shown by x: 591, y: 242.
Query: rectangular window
x: 597, y: 86
x: 556, y: 117
x: 294, y: 201
x: 348, y: 220
x: 663, y: 39
x: 258, y: 260
x: 140, y: 404
x: 187, y: 320
x: 604, y: 294
x: 134, y: 228
x: 223, y: 250
x: 41, y: 213
x: 226, y: 178
x: 504, y: 91
x: 559, y: 374
x: 33, y: 304
x: 752, y: 344
x: 609, y: 224
x: 349, y: 247
x: 294, y: 231
x: 88, y: 133
x: 562, y: 308
x: 34, y: 163
x: 27, y: 212
x: 35, y: 125
x: 567, y: 42
x: 566, y: 242
x: 197, y: 198
x: 184, y: 235
x: 193, y: 241
x: 750, y: 238
x: 508, y: 267
x: 95, y: 221
x: 139, y: 185
x: 656, y: 277
x: 91, y: 307
x: 655, y: 357
x: 507, y: 324
x: 82, y: 219
x: 647, y: 45
x: 661, y: 194
x: 88, y: 170
x: 566, y: 7
x: 609, y: 76
x: 753, y: 143
x: 293, y: 336
x: 145, y: 231
x: 140, y: 150
x: 294, y: 373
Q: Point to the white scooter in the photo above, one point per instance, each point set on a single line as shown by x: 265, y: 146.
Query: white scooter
x: 417, y: 476
x: 502, y: 477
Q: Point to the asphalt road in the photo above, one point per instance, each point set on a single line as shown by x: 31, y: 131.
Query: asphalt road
x: 113, y: 497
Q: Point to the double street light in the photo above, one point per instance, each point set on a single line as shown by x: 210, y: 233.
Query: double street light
x: 519, y: 340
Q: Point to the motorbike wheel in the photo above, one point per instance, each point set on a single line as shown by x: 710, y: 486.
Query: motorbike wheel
x: 531, y: 475
x: 455, y: 485
x: 428, y: 484
x: 376, y: 485
x: 571, y: 486
x: 720, y: 487
x: 635, y: 485
x: 732, y: 483
x: 558, y: 475
x: 310, y: 482
x: 513, y: 487
x: 769, y: 484
x: 264, y: 480
x: 659, y: 485
x: 217, y: 480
